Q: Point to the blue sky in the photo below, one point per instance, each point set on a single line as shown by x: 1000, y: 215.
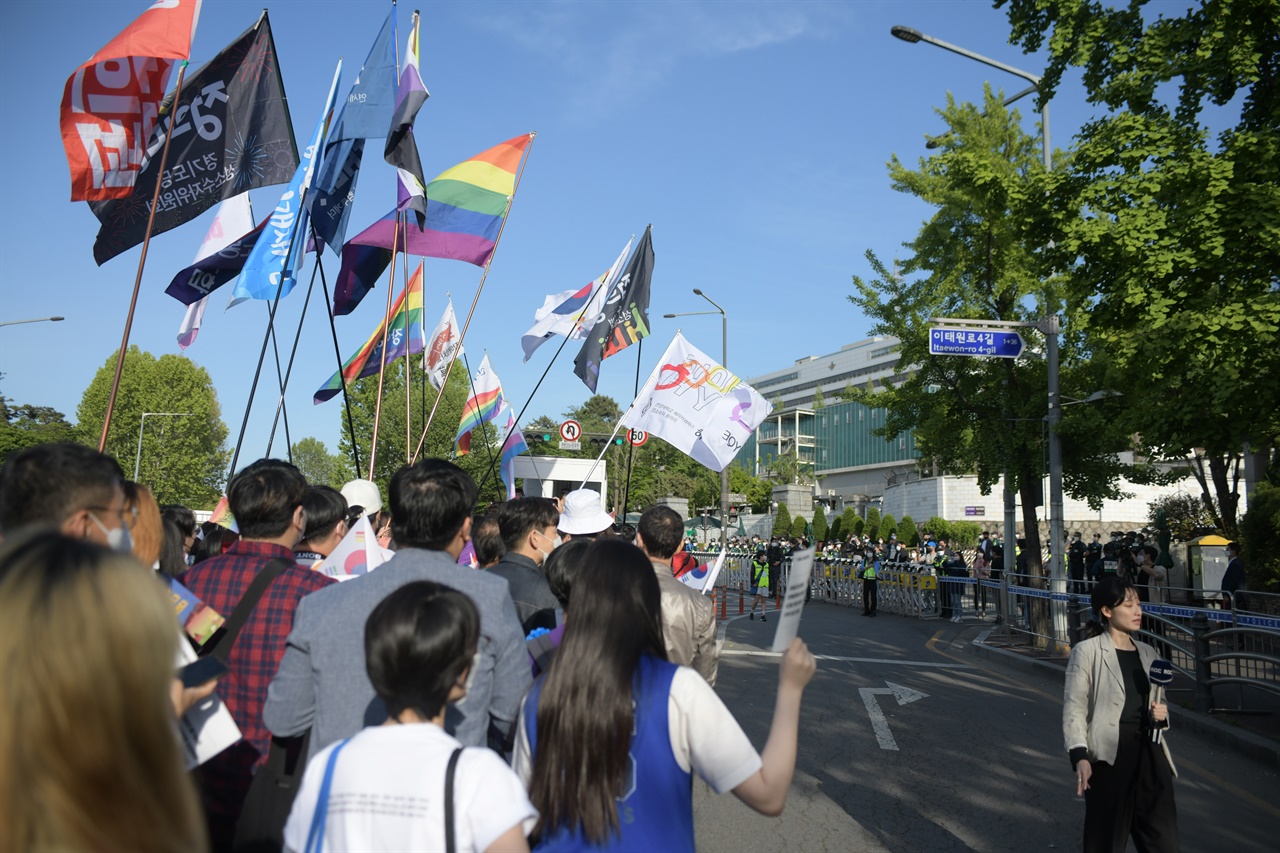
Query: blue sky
x: 753, y: 136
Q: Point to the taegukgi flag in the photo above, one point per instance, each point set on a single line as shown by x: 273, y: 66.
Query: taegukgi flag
x: 697, y: 405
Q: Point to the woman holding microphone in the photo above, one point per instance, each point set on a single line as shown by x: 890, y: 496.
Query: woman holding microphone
x: 1109, y: 722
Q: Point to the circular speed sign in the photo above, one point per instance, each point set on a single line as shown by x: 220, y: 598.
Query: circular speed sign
x: 571, y: 430
x: 637, y: 437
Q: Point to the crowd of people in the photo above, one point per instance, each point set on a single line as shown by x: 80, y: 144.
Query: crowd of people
x: 531, y: 677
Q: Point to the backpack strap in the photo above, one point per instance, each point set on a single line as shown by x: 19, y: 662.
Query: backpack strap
x: 315, y: 837
x: 450, y: 839
x: 219, y: 645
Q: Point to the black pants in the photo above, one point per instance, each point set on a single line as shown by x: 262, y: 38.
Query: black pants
x: 1132, y: 797
x: 870, y: 597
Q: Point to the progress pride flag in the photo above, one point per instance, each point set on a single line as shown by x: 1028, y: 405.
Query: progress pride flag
x: 111, y: 103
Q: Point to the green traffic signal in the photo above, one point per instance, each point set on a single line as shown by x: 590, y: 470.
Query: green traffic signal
x: 617, y: 441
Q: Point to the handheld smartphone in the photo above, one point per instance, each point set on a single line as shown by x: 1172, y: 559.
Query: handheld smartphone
x: 202, y: 670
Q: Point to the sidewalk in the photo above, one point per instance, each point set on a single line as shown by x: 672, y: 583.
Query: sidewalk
x: 1256, y: 732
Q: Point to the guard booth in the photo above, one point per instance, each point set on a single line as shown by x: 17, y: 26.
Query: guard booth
x: 1207, y: 561
x: 556, y: 476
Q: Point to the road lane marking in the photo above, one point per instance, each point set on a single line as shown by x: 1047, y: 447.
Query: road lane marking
x: 926, y: 663
x: 879, y: 723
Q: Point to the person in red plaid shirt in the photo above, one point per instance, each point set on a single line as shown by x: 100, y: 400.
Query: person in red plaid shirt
x: 266, y: 500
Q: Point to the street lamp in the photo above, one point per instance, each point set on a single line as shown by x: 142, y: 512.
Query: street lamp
x: 34, y: 320
x: 1050, y: 325
x: 137, y: 462
x: 724, y: 362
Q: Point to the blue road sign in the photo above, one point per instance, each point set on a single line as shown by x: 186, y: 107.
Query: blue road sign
x: 955, y: 341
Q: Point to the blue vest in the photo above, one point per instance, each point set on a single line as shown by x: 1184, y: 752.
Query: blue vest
x: 656, y: 809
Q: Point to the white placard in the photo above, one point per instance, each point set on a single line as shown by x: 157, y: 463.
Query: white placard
x: 793, y: 603
x: 207, y: 728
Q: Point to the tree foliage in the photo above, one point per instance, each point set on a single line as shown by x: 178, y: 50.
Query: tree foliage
x: 23, y: 426
x: 1260, y: 539
x: 819, y: 523
x: 848, y: 522
x: 1171, y: 232
x: 184, y: 457
x: 799, y: 527
x: 872, y: 526
x: 1185, y: 515
x: 318, y: 465
x: 907, y: 532
x: 782, y: 521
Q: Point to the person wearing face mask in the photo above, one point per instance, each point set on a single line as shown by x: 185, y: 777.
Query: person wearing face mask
x: 266, y: 499
x: 68, y: 486
x: 1075, y: 564
x: 528, y: 527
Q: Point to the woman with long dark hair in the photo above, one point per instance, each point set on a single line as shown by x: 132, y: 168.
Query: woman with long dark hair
x: 1108, y: 719
x: 610, y: 737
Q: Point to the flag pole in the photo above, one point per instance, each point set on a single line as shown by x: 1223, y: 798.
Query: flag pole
x: 652, y: 373
x: 337, y: 352
x: 289, y: 370
x: 283, y: 381
x: 253, y: 388
x: 524, y: 161
x: 382, y: 358
x: 408, y: 385
x: 631, y: 448
x: 142, y: 262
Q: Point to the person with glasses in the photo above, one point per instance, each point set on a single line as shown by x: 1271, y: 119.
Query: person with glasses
x: 68, y: 486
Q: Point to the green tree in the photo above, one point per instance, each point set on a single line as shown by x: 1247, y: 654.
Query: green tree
x: 836, y: 532
x: 888, y: 526
x: 1171, y: 268
x: 799, y: 527
x: 318, y: 465
x: 849, y: 521
x: 980, y: 256
x: 872, y: 527
x: 819, y: 400
x: 1184, y: 514
x: 782, y: 521
x: 1260, y: 539
x: 26, y: 425
x: 184, y: 458
x: 819, y: 523
x: 938, y: 528
x: 757, y: 491
x: 907, y: 532
x: 859, y: 525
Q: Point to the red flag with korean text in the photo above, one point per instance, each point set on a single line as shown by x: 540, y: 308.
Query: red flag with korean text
x: 111, y: 103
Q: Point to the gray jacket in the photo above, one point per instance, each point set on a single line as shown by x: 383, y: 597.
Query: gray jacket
x: 1093, y: 698
x: 535, y: 605
x: 322, y: 682
x: 688, y: 625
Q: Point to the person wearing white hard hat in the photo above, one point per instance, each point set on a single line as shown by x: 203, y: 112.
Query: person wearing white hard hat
x: 582, y: 516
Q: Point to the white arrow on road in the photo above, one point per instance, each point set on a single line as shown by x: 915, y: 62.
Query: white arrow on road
x: 879, y: 724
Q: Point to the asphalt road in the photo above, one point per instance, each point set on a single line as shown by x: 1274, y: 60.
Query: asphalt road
x: 968, y: 756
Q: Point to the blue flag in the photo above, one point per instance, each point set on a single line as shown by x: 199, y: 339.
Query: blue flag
x: 270, y: 271
x: 365, y: 113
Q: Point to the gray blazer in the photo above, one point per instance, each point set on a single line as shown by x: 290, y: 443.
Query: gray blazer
x: 322, y: 681
x: 1094, y: 697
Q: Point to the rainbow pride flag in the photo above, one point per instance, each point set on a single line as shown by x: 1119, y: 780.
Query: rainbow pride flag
x: 222, y: 515
x: 465, y: 209
x: 483, y: 406
x: 367, y: 361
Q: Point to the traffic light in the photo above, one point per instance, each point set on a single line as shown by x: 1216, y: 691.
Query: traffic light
x: 533, y: 436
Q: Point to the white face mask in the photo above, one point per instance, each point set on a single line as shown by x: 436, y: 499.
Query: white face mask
x: 118, y: 539
x: 555, y: 543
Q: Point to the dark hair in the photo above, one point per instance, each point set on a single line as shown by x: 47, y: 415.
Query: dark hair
x: 173, y: 561
x: 1110, y: 592
x: 264, y: 497
x: 418, y: 642
x: 46, y: 483
x: 661, y: 530
x: 1234, y: 548
x: 216, y: 540
x: 487, y: 538
x: 181, y: 516
x: 1151, y: 551
x: 585, y: 714
x: 563, y: 567
x: 517, y: 518
x: 430, y: 502
x: 325, y: 507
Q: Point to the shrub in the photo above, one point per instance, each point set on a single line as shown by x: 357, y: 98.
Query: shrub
x: 888, y: 527
x: 782, y: 521
x: 1260, y: 539
x: 799, y: 527
x: 907, y: 532
x: 819, y: 524
x: 873, y: 523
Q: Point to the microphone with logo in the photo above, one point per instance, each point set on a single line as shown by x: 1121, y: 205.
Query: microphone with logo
x: 1160, y: 674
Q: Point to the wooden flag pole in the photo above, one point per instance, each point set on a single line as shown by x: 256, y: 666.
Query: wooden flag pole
x: 142, y: 262
x: 408, y: 385
x: 382, y: 357
x: 524, y: 161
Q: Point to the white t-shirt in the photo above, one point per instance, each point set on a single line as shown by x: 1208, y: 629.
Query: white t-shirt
x: 388, y: 794
x: 705, y: 737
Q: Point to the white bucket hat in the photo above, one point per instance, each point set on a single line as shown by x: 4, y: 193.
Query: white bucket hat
x: 583, y: 515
